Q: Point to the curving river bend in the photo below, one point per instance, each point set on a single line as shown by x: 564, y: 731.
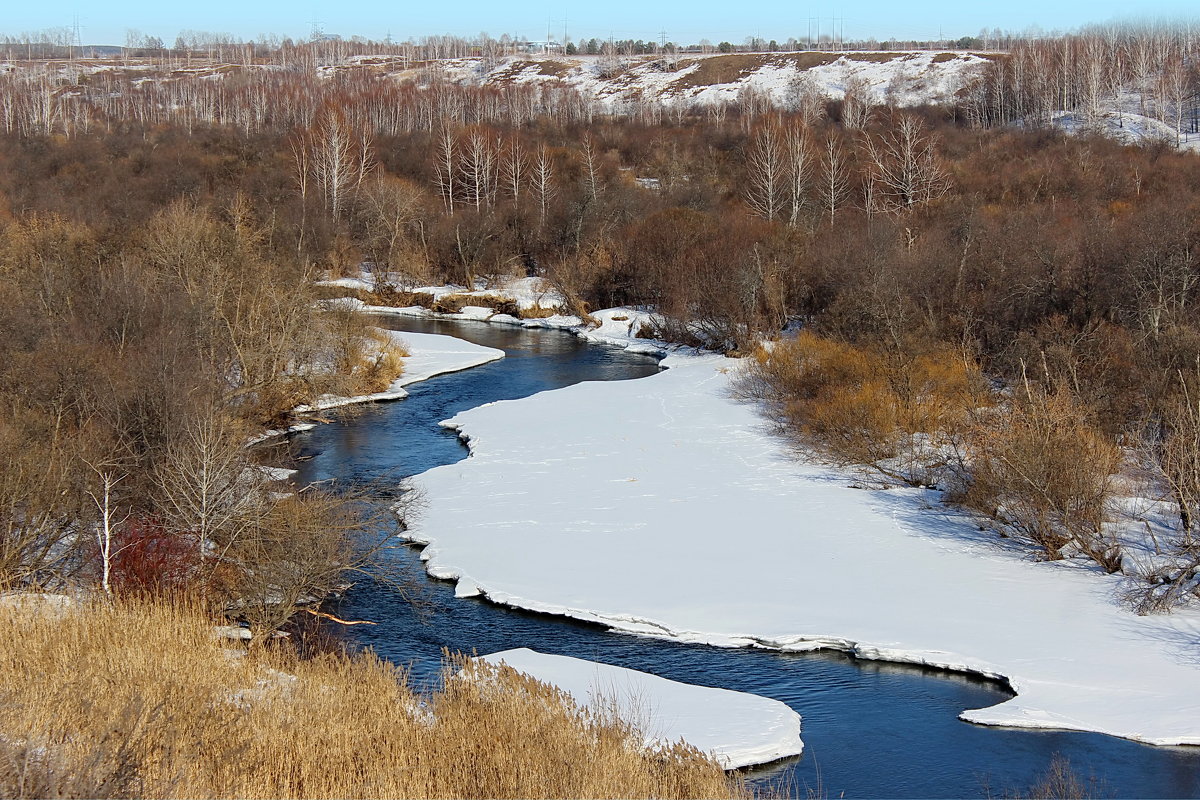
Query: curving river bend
x: 871, y: 729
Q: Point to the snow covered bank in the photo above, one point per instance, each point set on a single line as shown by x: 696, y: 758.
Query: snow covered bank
x: 664, y: 507
x: 430, y: 354
x: 737, y: 728
x: 616, y: 326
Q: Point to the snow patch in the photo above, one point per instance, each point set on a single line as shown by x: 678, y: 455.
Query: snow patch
x: 738, y: 729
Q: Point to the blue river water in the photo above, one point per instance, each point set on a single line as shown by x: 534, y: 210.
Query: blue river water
x: 871, y: 729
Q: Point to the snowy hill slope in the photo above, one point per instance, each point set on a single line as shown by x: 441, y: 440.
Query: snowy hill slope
x: 901, y: 78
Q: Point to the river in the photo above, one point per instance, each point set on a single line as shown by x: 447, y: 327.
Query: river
x: 870, y: 729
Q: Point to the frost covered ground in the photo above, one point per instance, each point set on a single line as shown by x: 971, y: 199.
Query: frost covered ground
x: 737, y: 728
x: 673, y: 511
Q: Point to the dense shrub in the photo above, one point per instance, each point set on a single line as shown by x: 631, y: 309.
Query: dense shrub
x: 1039, y: 467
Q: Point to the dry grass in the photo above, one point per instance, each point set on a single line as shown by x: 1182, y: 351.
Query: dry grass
x: 140, y: 699
x: 717, y: 70
x: 554, y: 69
x: 454, y: 303
x: 379, y: 363
x: 386, y: 295
x: 726, y: 69
x: 539, y: 312
x: 860, y: 406
x: 877, y: 58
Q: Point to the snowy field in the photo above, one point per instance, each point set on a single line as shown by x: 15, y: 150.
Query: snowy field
x: 737, y: 728
x: 905, y: 78
x: 666, y: 507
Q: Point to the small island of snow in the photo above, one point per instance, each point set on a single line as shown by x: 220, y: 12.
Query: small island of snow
x: 738, y: 729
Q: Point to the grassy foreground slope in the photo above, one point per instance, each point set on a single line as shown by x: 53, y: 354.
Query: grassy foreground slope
x: 142, y: 699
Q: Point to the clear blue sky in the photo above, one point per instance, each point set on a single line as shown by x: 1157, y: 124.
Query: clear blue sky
x: 107, y: 22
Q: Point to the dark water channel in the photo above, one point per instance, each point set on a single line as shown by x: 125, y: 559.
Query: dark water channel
x: 870, y: 729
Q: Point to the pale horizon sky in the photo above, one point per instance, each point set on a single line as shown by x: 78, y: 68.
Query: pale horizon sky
x: 684, y: 22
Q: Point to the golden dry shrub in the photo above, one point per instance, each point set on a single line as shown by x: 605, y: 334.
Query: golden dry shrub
x: 139, y: 698
x: 861, y: 406
x: 1041, y: 468
x: 364, y: 359
x: 539, y: 312
x: 379, y: 364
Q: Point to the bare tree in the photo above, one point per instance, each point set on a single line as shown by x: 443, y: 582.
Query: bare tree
x: 591, y: 168
x: 514, y: 168
x: 799, y: 167
x: 446, y: 167
x: 1179, y: 457
x: 543, y: 180
x: 856, y: 104
x: 478, y: 169
x: 203, y: 487
x: 110, y: 520
x: 38, y: 525
x: 392, y: 211
x: 805, y: 98
x: 834, y: 177
x: 339, y: 159
x: 904, y: 167
x: 767, y: 173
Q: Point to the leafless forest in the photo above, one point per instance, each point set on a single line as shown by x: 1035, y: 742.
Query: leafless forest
x: 160, y: 229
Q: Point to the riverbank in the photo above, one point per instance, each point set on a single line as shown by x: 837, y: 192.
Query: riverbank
x: 428, y: 355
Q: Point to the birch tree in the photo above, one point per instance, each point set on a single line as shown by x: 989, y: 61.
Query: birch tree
x: 104, y: 497
x: 201, y: 486
x: 766, y: 173
x: 834, y: 177
x: 339, y: 159
x: 904, y: 169
x: 446, y: 165
x: 543, y: 181
x: 799, y: 171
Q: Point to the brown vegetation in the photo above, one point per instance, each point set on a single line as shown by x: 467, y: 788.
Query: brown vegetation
x: 141, y: 288
x: 1042, y: 470
x: 1030, y: 460
x: 139, y: 699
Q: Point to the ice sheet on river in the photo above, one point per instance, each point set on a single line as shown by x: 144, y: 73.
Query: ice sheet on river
x: 663, y: 506
x: 737, y: 728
